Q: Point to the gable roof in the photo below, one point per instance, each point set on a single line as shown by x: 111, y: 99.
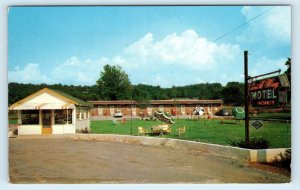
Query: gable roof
x: 78, y: 101
x: 58, y: 94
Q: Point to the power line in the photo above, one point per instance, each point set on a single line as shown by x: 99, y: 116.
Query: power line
x: 243, y: 24
x: 218, y: 38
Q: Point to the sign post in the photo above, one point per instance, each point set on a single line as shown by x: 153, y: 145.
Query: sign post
x: 246, y: 98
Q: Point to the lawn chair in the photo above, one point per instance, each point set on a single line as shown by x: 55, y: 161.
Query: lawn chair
x: 142, y: 131
x: 181, y: 130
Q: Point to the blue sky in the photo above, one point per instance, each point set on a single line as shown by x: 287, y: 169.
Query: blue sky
x: 160, y: 45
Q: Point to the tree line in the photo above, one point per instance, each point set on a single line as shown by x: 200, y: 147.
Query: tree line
x: 232, y: 93
x: 114, y: 84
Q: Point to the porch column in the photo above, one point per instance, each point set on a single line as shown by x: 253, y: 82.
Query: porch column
x: 74, y: 117
x: 40, y: 117
x: 52, y: 118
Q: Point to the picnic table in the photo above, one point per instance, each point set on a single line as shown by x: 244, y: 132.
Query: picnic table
x: 161, y: 129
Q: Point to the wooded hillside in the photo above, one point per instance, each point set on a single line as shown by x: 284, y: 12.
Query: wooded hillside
x: 232, y: 93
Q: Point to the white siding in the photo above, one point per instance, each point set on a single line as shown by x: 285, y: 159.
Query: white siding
x: 63, y: 129
x: 29, y: 130
x: 43, y: 101
x: 82, y: 124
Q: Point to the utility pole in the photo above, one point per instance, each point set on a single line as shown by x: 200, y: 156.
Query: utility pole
x: 246, y: 98
x: 131, y: 116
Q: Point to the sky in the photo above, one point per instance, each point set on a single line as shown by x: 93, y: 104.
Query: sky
x: 156, y: 45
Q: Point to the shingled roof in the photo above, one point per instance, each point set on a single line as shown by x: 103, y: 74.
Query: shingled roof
x: 78, y: 101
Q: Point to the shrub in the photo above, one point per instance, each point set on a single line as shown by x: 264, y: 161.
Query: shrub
x: 283, y: 160
x: 254, y: 143
x: 15, y: 132
x: 151, y: 118
x: 85, y: 130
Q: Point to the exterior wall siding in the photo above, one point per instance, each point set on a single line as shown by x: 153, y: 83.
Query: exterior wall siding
x: 180, y: 109
x: 37, y: 129
x: 82, y: 124
x: 63, y: 129
x: 29, y: 130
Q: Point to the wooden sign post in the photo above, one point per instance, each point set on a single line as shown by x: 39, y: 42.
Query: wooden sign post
x: 246, y: 98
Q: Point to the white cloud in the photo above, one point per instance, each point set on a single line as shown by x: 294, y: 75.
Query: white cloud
x: 266, y: 65
x: 273, y: 27
x: 186, y: 49
x: 31, y: 73
x: 185, y: 56
x: 177, y: 59
x: 78, y: 72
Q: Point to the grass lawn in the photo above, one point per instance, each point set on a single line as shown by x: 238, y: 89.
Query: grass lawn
x: 210, y: 131
x: 280, y: 115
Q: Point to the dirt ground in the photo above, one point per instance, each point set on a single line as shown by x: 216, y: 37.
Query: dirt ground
x: 63, y: 160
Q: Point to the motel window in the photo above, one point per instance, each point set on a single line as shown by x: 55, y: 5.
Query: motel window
x: 63, y: 116
x: 30, y: 117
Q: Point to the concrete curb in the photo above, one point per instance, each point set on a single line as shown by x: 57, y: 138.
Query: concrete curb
x: 250, y: 155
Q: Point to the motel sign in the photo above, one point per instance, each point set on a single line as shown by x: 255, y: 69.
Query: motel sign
x: 269, y: 92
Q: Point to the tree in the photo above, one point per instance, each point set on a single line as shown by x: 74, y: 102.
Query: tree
x: 114, y: 83
x: 288, y: 71
x: 233, y: 93
x: 288, y: 74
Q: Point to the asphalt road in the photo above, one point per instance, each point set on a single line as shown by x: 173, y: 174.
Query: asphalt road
x: 63, y: 160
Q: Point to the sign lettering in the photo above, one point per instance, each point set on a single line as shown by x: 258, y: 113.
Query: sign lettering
x: 268, y: 92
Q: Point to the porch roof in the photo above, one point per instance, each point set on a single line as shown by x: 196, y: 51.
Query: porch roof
x: 44, y: 106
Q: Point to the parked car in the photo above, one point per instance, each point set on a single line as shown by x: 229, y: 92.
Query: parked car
x: 118, y: 114
x: 223, y: 112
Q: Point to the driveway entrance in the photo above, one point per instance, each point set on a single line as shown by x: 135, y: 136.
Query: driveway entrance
x: 75, y: 161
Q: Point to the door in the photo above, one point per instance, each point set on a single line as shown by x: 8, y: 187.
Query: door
x: 161, y: 108
x: 46, y: 122
x: 149, y: 110
x: 100, y: 110
x: 133, y: 110
x: 111, y: 110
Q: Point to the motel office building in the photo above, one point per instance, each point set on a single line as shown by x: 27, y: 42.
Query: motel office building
x: 174, y: 107
x: 51, y: 112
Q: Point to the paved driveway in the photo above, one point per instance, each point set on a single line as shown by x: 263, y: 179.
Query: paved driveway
x: 63, y: 160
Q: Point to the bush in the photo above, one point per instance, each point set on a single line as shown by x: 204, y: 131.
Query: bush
x: 254, y: 143
x: 150, y: 118
x: 15, y: 132
x: 283, y: 160
x: 85, y: 130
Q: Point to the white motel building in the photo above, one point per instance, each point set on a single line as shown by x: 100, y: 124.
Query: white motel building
x: 51, y: 112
